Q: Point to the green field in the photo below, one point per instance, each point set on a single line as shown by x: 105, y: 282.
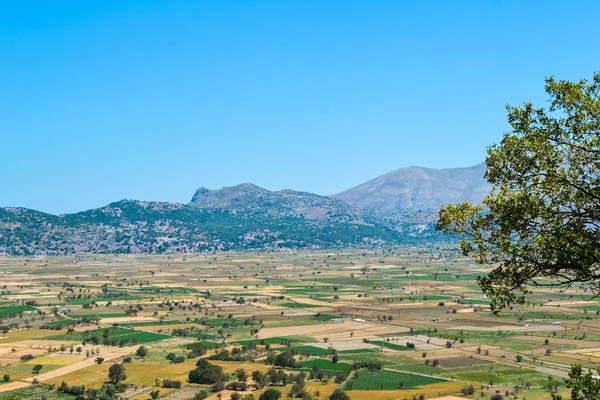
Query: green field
x: 312, y: 350
x: 387, y: 380
x: 325, y: 364
x: 115, y: 333
x: 276, y: 340
x: 14, y: 310
x: 389, y: 345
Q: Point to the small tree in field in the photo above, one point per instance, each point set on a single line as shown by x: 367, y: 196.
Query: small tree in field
x: 339, y: 394
x: 141, y: 352
x: 116, y: 373
x: 270, y: 394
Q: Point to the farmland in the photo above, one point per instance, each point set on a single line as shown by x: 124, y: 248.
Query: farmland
x: 397, y: 323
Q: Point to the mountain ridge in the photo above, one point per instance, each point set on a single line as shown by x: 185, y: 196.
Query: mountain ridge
x: 393, y: 207
x: 417, y: 190
x: 250, y: 198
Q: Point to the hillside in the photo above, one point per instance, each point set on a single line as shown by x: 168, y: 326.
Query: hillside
x: 388, y: 209
x: 154, y: 227
x: 251, y: 199
x: 418, y: 192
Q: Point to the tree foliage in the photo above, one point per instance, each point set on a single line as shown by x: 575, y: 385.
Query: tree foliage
x: 141, y: 351
x: 339, y: 394
x: 540, y: 223
x: 116, y: 373
x: 583, y: 386
x: 270, y: 394
x: 206, y: 373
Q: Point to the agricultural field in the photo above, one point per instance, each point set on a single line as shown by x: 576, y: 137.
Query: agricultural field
x: 407, y: 322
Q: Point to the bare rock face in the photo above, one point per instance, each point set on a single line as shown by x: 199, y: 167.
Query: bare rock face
x: 418, y: 190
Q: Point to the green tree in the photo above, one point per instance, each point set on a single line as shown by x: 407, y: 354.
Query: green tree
x: 141, y: 352
x: 206, y: 373
x: 116, y: 373
x: 260, y: 379
x: 154, y: 394
x: 542, y: 219
x: 270, y: 394
x: 37, y: 368
x: 286, y: 359
x: 241, y: 375
x: 583, y: 386
x: 201, y: 395
x: 339, y: 394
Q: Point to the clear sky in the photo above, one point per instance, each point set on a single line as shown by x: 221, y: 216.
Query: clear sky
x: 105, y: 100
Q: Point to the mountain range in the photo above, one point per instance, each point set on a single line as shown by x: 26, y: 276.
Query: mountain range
x: 388, y: 209
x: 416, y: 191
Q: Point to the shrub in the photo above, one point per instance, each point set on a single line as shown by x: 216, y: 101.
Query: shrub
x: 196, y: 350
x: 201, y: 395
x: 141, y: 352
x: 171, y: 384
x: 339, y: 394
x: 270, y: 394
x: 217, y: 386
x: 116, y: 373
x: 468, y: 390
x: 237, y: 385
x: 206, y: 373
x: 286, y: 359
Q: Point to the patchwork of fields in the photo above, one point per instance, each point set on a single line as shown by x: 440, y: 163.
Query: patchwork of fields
x: 398, y: 323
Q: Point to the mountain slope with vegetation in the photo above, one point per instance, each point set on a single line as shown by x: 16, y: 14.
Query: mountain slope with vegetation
x: 153, y: 227
x: 253, y: 200
x: 395, y: 206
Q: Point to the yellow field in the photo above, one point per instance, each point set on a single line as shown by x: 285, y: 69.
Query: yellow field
x: 18, y: 336
x: 435, y: 389
x: 57, y: 359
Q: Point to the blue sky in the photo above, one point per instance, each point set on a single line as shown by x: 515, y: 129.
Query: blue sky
x: 104, y: 100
